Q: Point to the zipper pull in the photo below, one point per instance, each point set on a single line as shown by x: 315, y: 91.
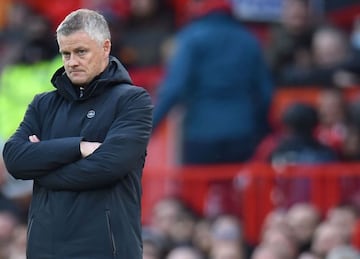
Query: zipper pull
x: 81, y: 91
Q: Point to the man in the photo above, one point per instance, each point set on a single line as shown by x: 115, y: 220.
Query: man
x: 217, y: 74
x: 84, y: 145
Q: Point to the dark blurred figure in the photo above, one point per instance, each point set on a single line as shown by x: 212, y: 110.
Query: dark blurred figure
x: 40, y: 44
x: 4, y: 7
x: 334, y: 63
x: 218, y: 75
x: 153, y: 245
x: 290, y: 40
x: 27, y: 37
x: 351, y: 145
x: 14, y: 34
x: 298, y: 145
x: 147, y: 28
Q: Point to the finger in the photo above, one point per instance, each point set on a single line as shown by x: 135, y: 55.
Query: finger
x: 34, y: 139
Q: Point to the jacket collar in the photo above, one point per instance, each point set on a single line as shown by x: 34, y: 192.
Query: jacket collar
x: 114, y: 74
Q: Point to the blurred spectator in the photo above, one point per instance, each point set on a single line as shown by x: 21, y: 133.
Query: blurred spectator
x: 329, y: 46
x: 40, y: 43
x: 303, y: 218
x: 4, y: 6
x: 326, y: 237
x: 290, y: 40
x: 153, y: 245
x: 298, y: 145
x: 27, y: 37
x: 218, y: 75
x: 227, y: 233
x: 181, y: 232
x: 147, y: 28
x: 333, y: 61
x: 226, y: 251
x: 308, y: 255
x: 351, y: 144
x: 333, y: 58
x: 355, y: 34
x: 173, y: 221
x: 184, y: 252
x: 14, y: 34
x: 333, y: 124
x: 14, y: 196
x: 116, y: 8
x: 352, y: 68
x: 282, y: 240
x: 345, y: 218
x: 343, y: 252
x: 17, y: 247
x: 8, y: 224
x: 202, y: 238
x: 267, y: 252
x: 275, y: 219
x: 3, y: 171
x: 164, y: 215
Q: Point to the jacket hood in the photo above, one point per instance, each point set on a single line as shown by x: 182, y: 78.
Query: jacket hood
x: 114, y: 74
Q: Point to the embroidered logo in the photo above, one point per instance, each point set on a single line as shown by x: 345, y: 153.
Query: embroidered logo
x: 90, y: 114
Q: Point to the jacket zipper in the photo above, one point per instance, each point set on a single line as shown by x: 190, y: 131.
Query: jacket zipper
x: 81, y: 91
x: 111, y: 234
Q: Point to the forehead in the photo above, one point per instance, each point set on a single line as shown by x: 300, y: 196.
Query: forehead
x: 76, y: 40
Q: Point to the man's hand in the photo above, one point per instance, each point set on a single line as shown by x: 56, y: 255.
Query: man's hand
x: 34, y: 139
x: 87, y: 148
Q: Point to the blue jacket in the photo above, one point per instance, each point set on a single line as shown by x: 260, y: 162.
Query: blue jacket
x: 218, y: 75
x: 84, y: 208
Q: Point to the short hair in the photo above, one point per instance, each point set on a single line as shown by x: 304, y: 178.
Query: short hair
x: 301, y: 118
x: 89, y: 21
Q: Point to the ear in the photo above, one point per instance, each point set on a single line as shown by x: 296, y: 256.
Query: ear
x: 107, y: 46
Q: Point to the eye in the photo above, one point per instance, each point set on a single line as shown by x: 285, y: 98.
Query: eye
x: 81, y: 52
x: 65, y: 55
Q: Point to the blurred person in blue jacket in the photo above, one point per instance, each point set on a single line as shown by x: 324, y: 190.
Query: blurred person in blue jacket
x: 217, y: 72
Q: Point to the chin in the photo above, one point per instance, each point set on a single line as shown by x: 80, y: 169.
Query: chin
x: 78, y: 82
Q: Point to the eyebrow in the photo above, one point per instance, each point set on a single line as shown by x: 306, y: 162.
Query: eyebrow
x: 75, y: 50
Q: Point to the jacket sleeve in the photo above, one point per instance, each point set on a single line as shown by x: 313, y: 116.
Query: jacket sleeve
x: 122, y: 152
x: 264, y: 90
x: 27, y: 160
x: 177, y: 80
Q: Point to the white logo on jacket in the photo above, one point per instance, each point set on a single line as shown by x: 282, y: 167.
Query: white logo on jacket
x: 90, y: 114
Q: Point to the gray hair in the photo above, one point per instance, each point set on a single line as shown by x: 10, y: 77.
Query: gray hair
x: 89, y: 21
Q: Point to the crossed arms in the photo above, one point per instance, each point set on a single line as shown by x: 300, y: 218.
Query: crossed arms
x: 70, y: 163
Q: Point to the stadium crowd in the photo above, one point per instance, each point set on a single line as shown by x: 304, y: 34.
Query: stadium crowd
x: 302, y: 49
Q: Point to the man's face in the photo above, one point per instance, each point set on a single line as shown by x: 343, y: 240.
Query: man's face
x: 84, y: 58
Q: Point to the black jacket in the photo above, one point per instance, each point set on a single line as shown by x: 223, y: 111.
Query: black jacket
x: 84, y: 208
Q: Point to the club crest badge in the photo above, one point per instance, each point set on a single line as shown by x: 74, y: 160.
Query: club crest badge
x: 90, y: 114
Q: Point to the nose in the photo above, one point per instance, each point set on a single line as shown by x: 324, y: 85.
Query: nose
x: 72, y: 61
